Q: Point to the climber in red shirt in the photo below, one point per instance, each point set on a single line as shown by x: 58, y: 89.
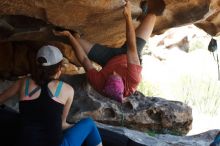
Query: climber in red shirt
x: 121, y: 67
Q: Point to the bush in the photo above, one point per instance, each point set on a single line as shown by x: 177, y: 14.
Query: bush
x: 148, y: 89
x: 204, y: 94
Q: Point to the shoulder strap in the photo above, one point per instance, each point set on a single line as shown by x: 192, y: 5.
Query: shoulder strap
x: 59, y: 87
x: 27, y: 84
x: 34, y: 91
x: 27, y: 87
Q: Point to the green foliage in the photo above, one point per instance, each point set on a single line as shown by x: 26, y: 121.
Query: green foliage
x: 148, y: 89
x: 197, y: 44
x: 202, y: 94
x: 151, y: 133
x: 196, y: 91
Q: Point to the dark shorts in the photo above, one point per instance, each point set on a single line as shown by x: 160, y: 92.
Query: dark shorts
x: 102, y: 54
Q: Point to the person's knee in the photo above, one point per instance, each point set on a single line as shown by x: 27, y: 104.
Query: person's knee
x: 89, y: 121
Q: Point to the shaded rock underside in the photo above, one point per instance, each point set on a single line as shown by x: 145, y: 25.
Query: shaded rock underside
x: 101, y: 20
x: 27, y: 25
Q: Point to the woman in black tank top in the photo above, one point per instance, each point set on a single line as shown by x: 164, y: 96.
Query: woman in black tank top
x: 44, y: 104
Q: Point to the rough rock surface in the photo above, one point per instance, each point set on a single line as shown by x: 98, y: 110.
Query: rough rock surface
x: 101, y: 20
x: 18, y: 58
x: 152, y: 139
x: 137, y: 112
x: 23, y: 23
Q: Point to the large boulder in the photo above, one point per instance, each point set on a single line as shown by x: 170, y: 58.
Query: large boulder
x: 100, y: 21
x: 119, y: 136
x: 23, y: 23
x: 137, y: 112
x: 18, y: 58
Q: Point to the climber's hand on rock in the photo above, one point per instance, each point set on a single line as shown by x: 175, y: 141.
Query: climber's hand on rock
x: 127, y: 9
x: 64, y: 33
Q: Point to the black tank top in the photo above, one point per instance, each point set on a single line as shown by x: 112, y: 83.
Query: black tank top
x: 41, y: 120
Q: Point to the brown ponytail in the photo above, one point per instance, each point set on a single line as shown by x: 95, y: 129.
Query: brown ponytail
x: 44, y: 74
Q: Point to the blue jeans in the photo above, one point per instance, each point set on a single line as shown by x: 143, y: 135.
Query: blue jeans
x: 84, y: 130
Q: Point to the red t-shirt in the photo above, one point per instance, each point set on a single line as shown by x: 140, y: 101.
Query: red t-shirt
x: 130, y: 73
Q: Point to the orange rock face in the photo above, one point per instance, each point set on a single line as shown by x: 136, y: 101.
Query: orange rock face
x: 18, y: 58
x: 102, y: 20
x: 99, y: 21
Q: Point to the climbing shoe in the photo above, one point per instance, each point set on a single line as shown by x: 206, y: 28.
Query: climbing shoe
x: 153, y: 6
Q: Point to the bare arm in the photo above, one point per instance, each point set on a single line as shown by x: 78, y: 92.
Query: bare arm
x: 66, y: 110
x: 11, y: 91
x: 130, y: 36
x: 80, y: 53
x: 144, y: 30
